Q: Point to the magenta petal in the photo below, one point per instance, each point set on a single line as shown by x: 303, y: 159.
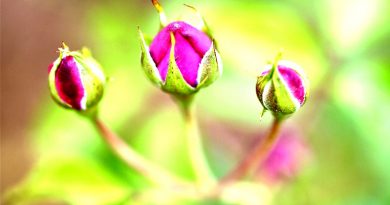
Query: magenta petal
x: 50, y: 67
x: 198, y: 39
x: 68, y: 83
x: 294, y: 82
x: 160, y: 46
x: 191, y: 45
x: 265, y: 72
x: 187, y: 59
x: 163, y: 66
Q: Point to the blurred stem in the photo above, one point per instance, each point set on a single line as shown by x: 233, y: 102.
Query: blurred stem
x: 151, y: 171
x: 204, y: 176
x: 256, y: 156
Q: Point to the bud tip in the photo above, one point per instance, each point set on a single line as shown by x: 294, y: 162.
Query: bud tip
x: 160, y: 10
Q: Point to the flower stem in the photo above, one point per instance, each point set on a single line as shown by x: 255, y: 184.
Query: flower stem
x: 256, y: 155
x: 149, y: 170
x: 203, y: 173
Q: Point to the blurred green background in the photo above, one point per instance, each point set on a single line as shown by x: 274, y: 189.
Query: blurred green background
x: 49, y: 154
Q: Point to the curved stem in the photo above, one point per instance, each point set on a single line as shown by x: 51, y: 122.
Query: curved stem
x: 136, y: 161
x: 204, y: 176
x: 256, y: 155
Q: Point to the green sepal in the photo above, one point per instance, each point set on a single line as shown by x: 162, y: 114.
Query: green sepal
x: 203, y: 24
x: 210, y: 67
x: 260, y: 84
x: 52, y: 84
x: 283, y: 99
x: 147, y: 38
x: 92, y: 76
x: 93, y: 85
x: 174, y: 82
x: 147, y: 62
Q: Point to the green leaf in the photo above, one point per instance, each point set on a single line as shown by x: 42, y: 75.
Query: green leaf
x: 73, y: 164
x: 73, y: 180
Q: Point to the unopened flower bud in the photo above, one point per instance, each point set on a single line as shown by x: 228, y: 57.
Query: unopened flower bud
x: 282, y: 88
x: 76, y: 80
x: 287, y: 158
x: 181, y: 58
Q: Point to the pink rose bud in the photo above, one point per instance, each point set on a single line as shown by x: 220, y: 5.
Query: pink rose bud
x: 282, y: 88
x: 181, y: 58
x: 287, y: 158
x: 76, y: 80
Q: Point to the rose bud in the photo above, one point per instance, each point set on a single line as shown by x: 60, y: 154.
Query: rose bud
x: 181, y: 58
x: 289, y: 156
x: 282, y: 88
x: 76, y: 80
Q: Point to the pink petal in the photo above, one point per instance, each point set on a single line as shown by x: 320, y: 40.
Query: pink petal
x: 68, y: 83
x: 191, y: 45
x: 294, y: 82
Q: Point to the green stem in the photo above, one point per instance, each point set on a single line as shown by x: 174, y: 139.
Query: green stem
x: 149, y: 170
x: 256, y: 155
x: 203, y: 174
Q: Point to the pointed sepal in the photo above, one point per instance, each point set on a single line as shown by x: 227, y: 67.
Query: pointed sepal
x: 148, y: 65
x: 202, y: 24
x: 52, y: 86
x: 284, y: 101
x: 174, y: 82
x: 210, y: 67
x: 160, y: 10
